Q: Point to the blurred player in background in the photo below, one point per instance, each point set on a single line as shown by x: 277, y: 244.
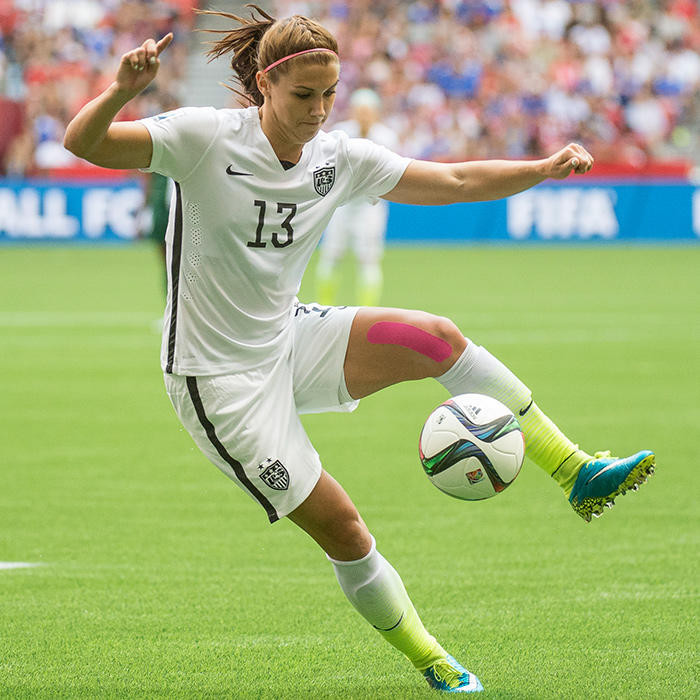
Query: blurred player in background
x: 158, y: 191
x: 362, y: 222
x: 242, y: 357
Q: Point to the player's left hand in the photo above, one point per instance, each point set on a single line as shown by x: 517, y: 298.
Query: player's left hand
x: 573, y: 158
x: 139, y: 66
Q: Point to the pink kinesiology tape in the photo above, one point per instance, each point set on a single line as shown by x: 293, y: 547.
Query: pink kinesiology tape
x: 392, y: 333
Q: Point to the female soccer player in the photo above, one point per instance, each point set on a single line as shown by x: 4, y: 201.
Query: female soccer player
x: 254, y: 189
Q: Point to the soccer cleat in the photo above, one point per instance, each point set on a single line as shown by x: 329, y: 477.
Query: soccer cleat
x: 602, y: 479
x: 449, y: 676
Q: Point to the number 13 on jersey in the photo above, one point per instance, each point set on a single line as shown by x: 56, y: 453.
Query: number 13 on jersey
x: 277, y: 242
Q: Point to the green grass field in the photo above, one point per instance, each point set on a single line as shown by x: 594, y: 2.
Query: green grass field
x: 159, y: 578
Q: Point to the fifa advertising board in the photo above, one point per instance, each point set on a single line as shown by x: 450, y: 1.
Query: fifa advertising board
x: 599, y: 212
x: 577, y: 211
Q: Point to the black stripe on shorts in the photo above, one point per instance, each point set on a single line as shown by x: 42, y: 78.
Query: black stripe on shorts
x: 175, y: 278
x: 233, y: 463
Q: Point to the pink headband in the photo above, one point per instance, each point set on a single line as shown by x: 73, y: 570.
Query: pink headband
x: 298, y: 53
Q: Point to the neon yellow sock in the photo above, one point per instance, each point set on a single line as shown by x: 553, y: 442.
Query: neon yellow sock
x: 412, y: 639
x: 550, y: 449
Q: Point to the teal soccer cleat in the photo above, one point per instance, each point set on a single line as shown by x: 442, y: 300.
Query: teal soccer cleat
x: 603, y: 478
x: 449, y: 676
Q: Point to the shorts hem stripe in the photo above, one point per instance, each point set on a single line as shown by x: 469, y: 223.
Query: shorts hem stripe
x: 237, y: 467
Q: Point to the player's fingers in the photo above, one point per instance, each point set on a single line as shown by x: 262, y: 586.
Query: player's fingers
x: 127, y: 60
x: 585, y: 159
x: 164, y: 43
x: 151, y: 50
x: 138, y: 58
x: 132, y: 59
x: 583, y: 163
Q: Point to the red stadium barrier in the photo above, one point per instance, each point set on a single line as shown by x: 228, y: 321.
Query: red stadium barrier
x: 89, y: 172
x: 656, y: 169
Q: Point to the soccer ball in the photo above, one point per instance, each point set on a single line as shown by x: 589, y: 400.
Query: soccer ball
x: 471, y: 447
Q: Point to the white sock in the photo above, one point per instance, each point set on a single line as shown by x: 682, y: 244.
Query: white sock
x: 378, y: 594
x: 477, y: 371
x: 373, y: 587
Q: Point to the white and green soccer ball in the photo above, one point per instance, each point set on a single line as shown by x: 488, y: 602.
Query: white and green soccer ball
x: 471, y: 447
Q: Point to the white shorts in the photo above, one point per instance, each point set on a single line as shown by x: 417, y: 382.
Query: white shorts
x: 247, y: 423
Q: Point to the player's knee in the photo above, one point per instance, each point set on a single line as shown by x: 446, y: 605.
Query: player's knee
x: 443, y: 327
x: 348, y: 538
x: 446, y: 330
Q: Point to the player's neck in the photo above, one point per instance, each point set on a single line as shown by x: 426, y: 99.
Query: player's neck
x: 284, y: 149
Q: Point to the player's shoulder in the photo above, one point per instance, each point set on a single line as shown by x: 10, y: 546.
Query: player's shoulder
x: 240, y: 117
x: 332, y: 143
x: 183, y: 113
x: 334, y: 135
x: 206, y: 115
x: 343, y: 142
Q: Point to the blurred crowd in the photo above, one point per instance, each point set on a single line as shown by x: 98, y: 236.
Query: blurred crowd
x: 56, y: 55
x: 465, y: 79
x: 459, y: 79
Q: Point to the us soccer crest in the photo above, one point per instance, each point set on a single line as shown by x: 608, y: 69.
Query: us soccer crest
x: 323, y: 180
x: 275, y: 476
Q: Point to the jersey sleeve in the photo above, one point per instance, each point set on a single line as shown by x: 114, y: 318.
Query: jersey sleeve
x: 180, y: 140
x: 375, y: 169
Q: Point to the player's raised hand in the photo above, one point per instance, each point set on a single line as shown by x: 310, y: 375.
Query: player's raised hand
x: 573, y: 158
x: 140, y: 66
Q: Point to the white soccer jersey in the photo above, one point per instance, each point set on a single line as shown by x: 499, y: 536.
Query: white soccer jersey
x: 242, y: 230
x: 379, y: 134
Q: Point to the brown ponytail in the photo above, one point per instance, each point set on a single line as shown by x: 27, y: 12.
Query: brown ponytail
x: 260, y: 41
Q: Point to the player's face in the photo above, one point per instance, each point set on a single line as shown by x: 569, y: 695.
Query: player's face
x: 302, y: 99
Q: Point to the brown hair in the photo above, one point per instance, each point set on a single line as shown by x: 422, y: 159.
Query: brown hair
x: 260, y: 41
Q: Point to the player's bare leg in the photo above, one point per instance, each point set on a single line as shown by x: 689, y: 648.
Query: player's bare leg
x: 388, y: 346
x: 372, y: 585
x: 332, y: 520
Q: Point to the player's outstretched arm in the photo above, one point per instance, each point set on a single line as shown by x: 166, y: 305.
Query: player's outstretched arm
x: 425, y: 182
x: 92, y: 135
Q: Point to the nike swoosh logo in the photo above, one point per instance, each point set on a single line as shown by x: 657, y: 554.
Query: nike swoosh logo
x: 388, y: 629
x: 602, y: 471
x: 229, y: 171
x: 523, y: 411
